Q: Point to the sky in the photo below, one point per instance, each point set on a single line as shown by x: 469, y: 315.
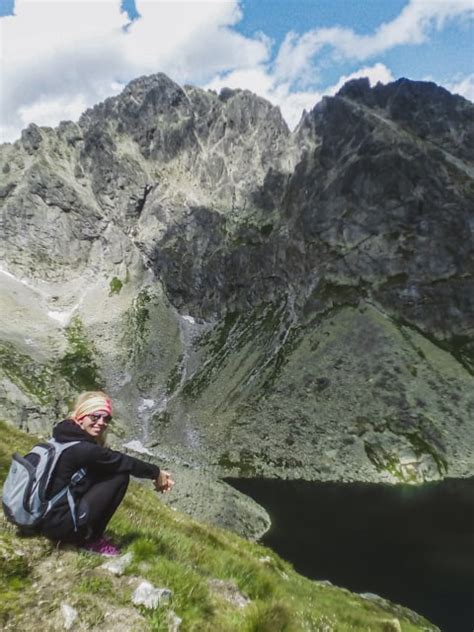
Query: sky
x: 59, y: 57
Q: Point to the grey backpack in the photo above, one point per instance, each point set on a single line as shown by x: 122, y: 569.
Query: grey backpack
x: 24, y: 491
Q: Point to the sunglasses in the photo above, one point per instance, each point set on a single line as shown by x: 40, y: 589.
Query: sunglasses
x: 95, y: 418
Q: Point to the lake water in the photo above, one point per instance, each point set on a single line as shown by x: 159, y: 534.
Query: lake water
x: 411, y: 545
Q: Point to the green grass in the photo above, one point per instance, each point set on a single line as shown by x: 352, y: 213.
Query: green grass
x: 174, y: 551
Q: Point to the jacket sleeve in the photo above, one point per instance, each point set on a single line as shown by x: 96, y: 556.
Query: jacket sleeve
x: 107, y: 461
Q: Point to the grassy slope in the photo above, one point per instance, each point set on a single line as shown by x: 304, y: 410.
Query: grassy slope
x: 175, y: 551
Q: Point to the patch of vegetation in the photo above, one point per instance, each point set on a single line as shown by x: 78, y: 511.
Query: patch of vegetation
x: 384, y: 461
x: 423, y: 437
x: 115, y: 286
x: 222, y: 332
x: 95, y: 584
x: 138, y: 323
x: 12, y: 440
x: 460, y: 347
x: 142, y: 313
x: 244, y: 465
x: 267, y: 323
x: 421, y: 446
x: 281, y: 357
x: 78, y: 364
x: 30, y: 376
x: 175, y: 376
x: 173, y: 551
x: 160, y: 420
x: 266, y: 230
x: 249, y: 464
x: 334, y: 294
x: 217, y: 344
x: 413, y: 370
x: 14, y: 578
x: 16, y: 561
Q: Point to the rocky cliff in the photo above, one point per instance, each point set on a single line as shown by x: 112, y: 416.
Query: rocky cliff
x: 257, y: 301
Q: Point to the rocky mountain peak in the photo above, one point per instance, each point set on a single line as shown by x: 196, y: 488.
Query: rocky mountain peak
x: 214, y: 261
x: 423, y: 108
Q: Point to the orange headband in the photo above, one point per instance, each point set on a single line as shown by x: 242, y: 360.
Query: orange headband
x: 93, y: 405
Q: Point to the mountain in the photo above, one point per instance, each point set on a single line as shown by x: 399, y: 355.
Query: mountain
x: 256, y: 301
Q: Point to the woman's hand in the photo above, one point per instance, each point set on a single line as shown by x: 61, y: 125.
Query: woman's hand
x: 164, y: 482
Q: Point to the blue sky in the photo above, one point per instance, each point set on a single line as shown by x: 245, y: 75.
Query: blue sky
x: 58, y: 57
x: 448, y: 52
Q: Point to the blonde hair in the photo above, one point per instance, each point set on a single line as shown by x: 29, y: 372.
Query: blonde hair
x: 81, y: 403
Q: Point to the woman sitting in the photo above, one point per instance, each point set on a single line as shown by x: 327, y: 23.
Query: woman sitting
x: 107, y: 472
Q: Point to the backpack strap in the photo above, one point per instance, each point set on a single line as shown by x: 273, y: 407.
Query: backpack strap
x: 59, y: 448
x: 75, y: 479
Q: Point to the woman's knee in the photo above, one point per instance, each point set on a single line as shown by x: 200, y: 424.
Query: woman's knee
x: 114, y: 481
x: 122, y: 480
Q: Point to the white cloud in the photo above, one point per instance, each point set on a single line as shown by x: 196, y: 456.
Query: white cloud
x: 190, y: 40
x: 464, y: 87
x: 60, y: 56
x: 48, y: 111
x: 67, y: 52
x: 295, y: 59
x: 292, y: 103
x: 54, y: 52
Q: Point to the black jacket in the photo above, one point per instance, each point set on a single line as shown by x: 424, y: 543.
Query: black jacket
x: 99, y: 462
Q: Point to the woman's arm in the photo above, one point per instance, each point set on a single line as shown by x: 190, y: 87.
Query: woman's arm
x: 106, y: 461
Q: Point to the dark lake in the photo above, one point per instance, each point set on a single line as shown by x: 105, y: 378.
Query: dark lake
x: 411, y: 545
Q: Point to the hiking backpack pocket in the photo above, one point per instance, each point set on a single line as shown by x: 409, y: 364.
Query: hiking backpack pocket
x: 17, y: 491
x: 24, y: 492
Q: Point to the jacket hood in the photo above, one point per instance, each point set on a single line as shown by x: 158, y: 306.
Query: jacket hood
x: 68, y: 430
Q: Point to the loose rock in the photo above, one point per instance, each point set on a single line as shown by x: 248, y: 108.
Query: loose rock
x: 174, y: 622
x: 147, y: 595
x: 118, y: 565
x: 229, y: 591
x: 69, y: 614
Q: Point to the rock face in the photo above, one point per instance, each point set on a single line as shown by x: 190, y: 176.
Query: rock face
x: 258, y: 301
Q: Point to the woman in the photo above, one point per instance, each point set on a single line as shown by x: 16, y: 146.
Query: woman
x: 107, y: 472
